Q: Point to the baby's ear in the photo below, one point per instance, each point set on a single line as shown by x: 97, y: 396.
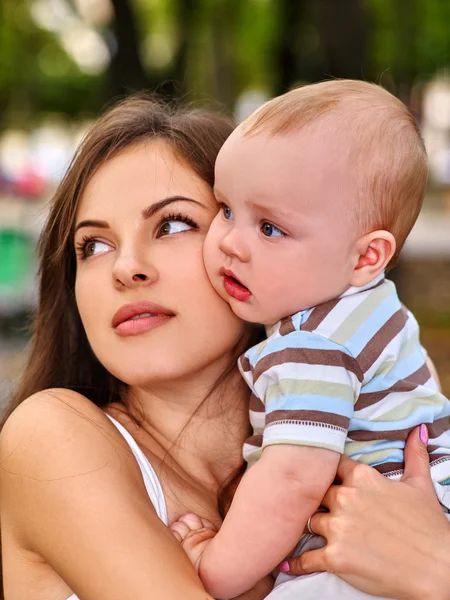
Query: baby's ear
x: 374, y: 251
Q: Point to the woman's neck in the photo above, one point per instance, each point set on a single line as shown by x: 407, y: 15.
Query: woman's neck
x: 195, y: 426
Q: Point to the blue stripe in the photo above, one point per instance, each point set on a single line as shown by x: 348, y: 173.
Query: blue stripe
x: 327, y: 404
x: 394, y: 456
x: 373, y: 324
x: 302, y: 340
x: 377, y: 445
x: 402, y: 370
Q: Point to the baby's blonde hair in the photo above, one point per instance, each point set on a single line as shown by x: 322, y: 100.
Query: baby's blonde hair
x: 384, y: 145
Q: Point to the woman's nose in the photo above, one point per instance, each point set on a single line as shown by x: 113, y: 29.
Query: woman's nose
x: 130, y: 272
x: 234, y: 244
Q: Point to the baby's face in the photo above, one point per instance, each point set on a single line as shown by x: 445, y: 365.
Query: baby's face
x: 284, y: 238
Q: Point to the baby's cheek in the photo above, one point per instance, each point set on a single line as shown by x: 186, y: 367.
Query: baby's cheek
x: 211, y: 253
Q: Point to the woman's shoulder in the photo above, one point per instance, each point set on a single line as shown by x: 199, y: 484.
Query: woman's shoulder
x: 73, y: 494
x: 57, y: 433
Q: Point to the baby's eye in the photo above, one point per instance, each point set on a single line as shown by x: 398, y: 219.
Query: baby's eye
x: 173, y: 226
x: 227, y: 213
x: 270, y: 230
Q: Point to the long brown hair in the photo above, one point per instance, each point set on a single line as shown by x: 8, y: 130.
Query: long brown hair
x: 59, y: 353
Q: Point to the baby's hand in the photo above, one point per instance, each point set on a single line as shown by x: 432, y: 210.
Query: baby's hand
x: 194, y: 534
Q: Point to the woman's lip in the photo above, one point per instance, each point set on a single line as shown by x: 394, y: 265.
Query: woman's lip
x: 140, y: 325
x: 134, y: 309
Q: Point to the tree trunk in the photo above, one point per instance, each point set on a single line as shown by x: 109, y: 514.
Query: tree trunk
x: 126, y: 71
x: 344, y: 30
x: 292, y: 14
x: 405, y: 69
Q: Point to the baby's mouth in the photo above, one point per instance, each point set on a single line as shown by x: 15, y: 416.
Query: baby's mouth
x: 234, y: 287
x: 237, y: 282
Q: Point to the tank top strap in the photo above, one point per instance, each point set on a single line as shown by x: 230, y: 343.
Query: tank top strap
x: 151, y: 481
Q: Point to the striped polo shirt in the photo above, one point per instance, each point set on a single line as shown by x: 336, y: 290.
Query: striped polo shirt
x: 348, y: 375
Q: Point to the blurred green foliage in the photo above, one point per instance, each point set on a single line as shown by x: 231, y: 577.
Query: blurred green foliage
x: 217, y: 49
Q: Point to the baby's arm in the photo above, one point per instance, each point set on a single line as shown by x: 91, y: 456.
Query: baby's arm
x: 267, y: 517
x: 309, y: 385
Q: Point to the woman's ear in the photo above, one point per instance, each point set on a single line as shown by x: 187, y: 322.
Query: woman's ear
x: 374, y: 251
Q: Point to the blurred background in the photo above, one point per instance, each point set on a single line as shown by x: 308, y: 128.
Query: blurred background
x: 63, y: 61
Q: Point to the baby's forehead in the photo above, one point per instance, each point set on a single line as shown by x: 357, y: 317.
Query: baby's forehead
x: 306, y: 169
x: 327, y: 143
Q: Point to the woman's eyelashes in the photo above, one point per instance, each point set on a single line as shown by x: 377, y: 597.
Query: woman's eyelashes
x: 175, y: 223
x: 90, y: 246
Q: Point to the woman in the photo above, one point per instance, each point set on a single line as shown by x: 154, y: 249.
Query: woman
x: 131, y: 411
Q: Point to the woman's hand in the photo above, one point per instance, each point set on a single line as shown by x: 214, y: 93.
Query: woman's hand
x: 384, y: 537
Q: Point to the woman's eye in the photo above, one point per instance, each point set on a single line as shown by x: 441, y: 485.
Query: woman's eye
x: 171, y: 227
x: 227, y: 213
x: 94, y: 247
x: 270, y: 230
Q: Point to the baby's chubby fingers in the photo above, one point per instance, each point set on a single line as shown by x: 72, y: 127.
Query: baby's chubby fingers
x: 192, y: 521
x: 180, y: 530
x: 208, y: 525
x: 194, y: 534
x: 189, y: 523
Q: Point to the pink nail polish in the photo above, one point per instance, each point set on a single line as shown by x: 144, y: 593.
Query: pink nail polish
x: 284, y: 567
x: 423, y: 434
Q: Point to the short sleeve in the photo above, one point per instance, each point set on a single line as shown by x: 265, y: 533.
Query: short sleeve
x: 309, y: 386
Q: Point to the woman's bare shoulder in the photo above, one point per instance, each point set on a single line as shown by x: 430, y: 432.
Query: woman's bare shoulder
x: 57, y: 433
x: 73, y: 495
x: 52, y: 401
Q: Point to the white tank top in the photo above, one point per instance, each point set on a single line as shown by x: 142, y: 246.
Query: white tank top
x: 151, y: 481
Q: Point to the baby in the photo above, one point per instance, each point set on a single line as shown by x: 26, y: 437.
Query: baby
x: 318, y: 191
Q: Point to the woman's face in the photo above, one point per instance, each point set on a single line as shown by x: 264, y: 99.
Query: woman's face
x: 147, y: 306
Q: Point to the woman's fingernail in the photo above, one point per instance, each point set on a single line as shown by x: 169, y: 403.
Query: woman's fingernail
x: 284, y: 567
x: 423, y: 434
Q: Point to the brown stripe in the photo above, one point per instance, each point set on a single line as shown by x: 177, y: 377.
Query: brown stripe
x: 434, y: 430
x: 316, y: 416
x: 381, y: 339
x: 308, y: 356
x: 438, y: 458
x: 389, y: 467
x: 386, y: 468
x: 438, y: 427
x: 287, y: 326
x: 408, y: 384
x: 255, y: 440
x: 256, y: 405
x: 432, y: 448
x: 245, y: 363
x: 318, y: 315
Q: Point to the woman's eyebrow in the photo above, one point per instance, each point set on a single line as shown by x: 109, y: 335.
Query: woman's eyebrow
x: 157, y: 206
x: 146, y: 213
x: 91, y: 223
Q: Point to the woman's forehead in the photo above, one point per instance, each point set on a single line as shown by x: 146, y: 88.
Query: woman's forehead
x: 139, y: 176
